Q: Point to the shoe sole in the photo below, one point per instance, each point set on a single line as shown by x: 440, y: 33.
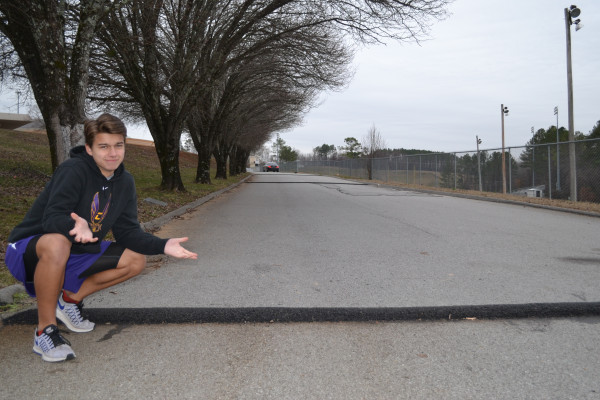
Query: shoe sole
x: 47, y: 358
x: 65, y: 320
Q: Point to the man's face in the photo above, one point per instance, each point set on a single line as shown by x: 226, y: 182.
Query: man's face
x: 108, y: 152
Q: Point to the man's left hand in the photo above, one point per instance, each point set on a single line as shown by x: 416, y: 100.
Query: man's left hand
x: 174, y: 248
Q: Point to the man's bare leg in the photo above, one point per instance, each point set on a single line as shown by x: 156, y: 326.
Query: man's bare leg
x: 130, y: 264
x: 53, y: 251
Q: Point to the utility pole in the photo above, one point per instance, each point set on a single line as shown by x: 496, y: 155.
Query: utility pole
x: 503, y: 111
x: 572, y: 12
x: 479, y: 162
x: 533, y: 157
x: 557, y: 151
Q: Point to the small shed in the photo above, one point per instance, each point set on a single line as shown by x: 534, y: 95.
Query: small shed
x: 535, y: 192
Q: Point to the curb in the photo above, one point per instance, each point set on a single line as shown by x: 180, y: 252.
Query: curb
x: 186, y: 315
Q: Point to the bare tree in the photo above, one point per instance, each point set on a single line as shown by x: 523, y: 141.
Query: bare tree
x: 269, y: 91
x: 257, y: 119
x: 172, y: 54
x: 144, y: 56
x: 52, y: 40
x: 372, y: 144
x: 250, y: 125
x: 203, y: 128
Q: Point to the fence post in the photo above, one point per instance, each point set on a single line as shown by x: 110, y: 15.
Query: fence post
x: 387, y: 170
x: 420, y: 169
x: 436, y: 179
x: 454, y: 171
x: 549, y: 175
x: 533, y: 166
x: 509, y: 171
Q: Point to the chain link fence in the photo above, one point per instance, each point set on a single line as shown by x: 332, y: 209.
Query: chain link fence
x: 536, y: 171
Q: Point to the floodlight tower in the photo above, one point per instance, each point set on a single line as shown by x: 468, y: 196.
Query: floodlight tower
x: 503, y: 112
x: 570, y: 13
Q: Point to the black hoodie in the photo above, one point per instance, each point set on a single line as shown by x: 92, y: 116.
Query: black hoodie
x: 78, y: 186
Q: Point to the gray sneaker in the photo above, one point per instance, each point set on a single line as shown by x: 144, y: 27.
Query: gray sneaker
x: 70, y: 315
x: 52, y: 346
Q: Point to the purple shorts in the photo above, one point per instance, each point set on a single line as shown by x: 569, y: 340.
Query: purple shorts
x: 79, y: 266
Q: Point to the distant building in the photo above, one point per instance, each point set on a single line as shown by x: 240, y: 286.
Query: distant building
x: 14, y: 121
x: 537, y: 191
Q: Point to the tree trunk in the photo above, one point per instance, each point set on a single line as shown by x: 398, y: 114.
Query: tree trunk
x: 238, y: 161
x: 233, y: 161
x: 221, y: 158
x: 203, y: 144
x: 203, y: 169
x: 166, y: 141
x: 169, y: 168
x: 243, y: 160
x: 62, y: 136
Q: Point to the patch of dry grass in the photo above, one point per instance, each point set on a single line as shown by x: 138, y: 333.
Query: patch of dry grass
x: 564, y: 204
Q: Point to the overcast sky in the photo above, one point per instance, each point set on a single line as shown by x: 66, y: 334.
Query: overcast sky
x: 438, y: 95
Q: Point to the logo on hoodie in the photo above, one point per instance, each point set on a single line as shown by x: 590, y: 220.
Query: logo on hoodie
x: 97, y: 216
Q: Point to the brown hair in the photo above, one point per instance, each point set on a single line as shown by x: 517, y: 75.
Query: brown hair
x: 105, y: 123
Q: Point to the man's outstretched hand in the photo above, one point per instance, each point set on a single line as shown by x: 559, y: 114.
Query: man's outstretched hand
x: 81, y: 231
x: 83, y: 234
x: 174, y: 248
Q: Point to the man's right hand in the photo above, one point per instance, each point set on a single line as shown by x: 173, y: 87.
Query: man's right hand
x: 81, y: 231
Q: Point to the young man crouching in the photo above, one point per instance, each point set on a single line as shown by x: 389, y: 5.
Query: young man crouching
x: 58, y: 251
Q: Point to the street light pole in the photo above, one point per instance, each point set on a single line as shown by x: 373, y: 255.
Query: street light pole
x: 557, y: 151
x: 503, y: 111
x: 572, y: 12
x: 479, y: 162
x: 533, y: 157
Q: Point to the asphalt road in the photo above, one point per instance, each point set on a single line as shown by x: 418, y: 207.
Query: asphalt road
x: 285, y: 240
x: 462, y: 286
x: 498, y: 359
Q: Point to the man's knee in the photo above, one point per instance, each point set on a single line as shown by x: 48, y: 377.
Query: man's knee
x: 53, y: 247
x: 134, y: 262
